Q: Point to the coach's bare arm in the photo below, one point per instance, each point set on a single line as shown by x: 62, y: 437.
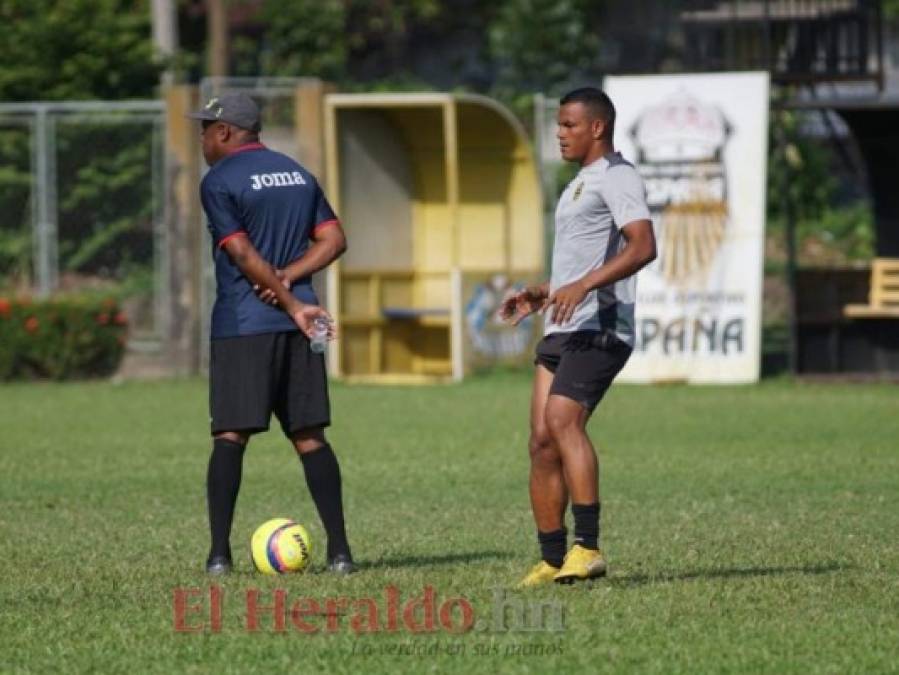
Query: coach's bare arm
x: 639, y: 250
x: 328, y: 244
x: 262, y: 275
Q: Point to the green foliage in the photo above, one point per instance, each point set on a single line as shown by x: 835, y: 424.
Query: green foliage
x: 318, y: 38
x: 541, y: 45
x: 305, y: 38
x: 801, y: 170
x: 15, y: 253
x: 15, y: 205
x: 79, y: 49
x: 105, y: 204
x: 60, y: 339
x: 511, y: 49
x: 848, y: 231
x: 75, y: 49
x: 105, y: 199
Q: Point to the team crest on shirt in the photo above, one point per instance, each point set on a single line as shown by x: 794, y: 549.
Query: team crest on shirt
x: 577, y: 191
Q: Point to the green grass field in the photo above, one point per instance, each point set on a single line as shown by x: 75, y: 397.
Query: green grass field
x: 748, y: 530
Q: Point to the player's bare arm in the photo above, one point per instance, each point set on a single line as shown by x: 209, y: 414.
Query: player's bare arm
x: 639, y: 251
x: 328, y: 244
x: 517, y: 306
x: 262, y: 274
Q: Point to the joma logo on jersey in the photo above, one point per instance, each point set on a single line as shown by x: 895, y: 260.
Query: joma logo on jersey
x: 280, y: 179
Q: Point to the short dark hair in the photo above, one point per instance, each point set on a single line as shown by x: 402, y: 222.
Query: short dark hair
x: 595, y: 100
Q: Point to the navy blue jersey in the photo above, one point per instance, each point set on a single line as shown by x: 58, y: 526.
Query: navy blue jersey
x: 269, y: 198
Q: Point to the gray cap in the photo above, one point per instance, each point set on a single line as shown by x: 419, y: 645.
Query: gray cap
x: 237, y: 109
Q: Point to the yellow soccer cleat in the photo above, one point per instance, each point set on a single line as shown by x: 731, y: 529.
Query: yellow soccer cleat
x: 541, y: 573
x: 581, y: 563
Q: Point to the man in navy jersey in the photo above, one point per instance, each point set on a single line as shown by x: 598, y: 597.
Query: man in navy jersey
x: 272, y: 228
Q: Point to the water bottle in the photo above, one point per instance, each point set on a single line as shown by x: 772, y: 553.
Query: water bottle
x: 320, y: 329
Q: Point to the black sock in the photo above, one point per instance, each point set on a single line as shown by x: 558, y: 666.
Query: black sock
x: 586, y: 524
x: 222, y: 486
x: 323, y: 478
x: 553, y: 545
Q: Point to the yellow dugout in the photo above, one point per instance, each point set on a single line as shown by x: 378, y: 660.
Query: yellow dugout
x: 440, y: 196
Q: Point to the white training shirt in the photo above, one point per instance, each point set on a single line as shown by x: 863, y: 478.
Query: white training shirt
x: 605, y: 196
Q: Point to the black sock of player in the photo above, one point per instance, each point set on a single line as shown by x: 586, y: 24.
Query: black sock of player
x: 586, y: 524
x: 222, y: 486
x: 323, y: 478
x: 553, y: 545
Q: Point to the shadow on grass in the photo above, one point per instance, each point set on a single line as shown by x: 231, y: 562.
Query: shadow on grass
x: 640, y: 579
x: 432, y: 560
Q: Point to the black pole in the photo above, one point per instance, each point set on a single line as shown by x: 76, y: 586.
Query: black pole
x: 789, y: 210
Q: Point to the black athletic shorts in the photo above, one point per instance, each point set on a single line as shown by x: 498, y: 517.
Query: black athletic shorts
x: 253, y: 376
x: 584, y: 363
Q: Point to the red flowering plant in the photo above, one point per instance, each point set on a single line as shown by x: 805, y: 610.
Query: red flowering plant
x: 60, y: 338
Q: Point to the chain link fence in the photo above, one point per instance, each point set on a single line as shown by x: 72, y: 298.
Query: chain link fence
x: 82, y: 197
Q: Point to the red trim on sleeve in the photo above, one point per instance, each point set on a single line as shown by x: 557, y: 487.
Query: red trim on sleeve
x: 239, y: 233
x: 325, y: 223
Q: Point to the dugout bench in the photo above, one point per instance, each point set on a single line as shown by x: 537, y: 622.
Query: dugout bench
x: 883, y: 298
x: 438, y: 193
x: 838, y: 332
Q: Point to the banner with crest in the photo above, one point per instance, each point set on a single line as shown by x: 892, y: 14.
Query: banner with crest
x: 701, y: 144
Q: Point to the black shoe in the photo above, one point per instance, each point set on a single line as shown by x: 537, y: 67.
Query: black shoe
x: 218, y: 565
x: 341, y: 564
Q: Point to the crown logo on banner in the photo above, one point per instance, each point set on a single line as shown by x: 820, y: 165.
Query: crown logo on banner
x: 680, y: 144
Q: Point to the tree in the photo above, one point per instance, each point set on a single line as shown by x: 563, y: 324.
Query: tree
x: 305, y: 38
x: 542, y: 45
x: 79, y: 49
x: 332, y: 38
x: 832, y: 223
x: 76, y: 49
x: 509, y: 49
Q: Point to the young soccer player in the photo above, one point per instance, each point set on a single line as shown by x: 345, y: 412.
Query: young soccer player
x: 603, y: 236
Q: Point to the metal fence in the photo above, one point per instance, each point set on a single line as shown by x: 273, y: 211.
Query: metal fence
x: 797, y: 41
x: 82, y: 203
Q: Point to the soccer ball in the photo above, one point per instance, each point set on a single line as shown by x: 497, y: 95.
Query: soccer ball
x: 279, y: 546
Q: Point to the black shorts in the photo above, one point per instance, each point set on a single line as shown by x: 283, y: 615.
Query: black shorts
x: 584, y: 363
x: 253, y: 376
